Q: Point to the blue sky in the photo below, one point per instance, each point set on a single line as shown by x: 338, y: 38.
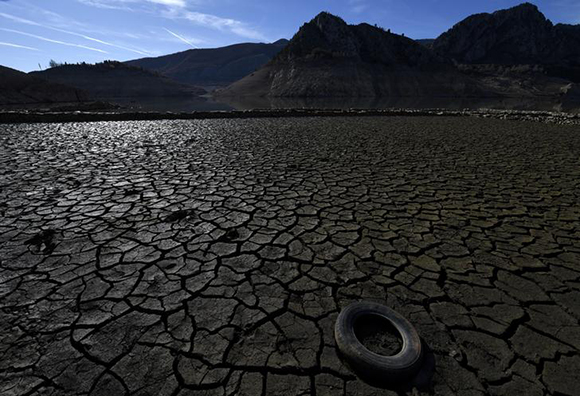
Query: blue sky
x: 34, y: 31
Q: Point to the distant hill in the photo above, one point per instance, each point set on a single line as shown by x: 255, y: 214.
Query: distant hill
x: 328, y: 58
x: 20, y: 88
x: 109, y: 80
x: 518, y: 35
x: 213, y: 67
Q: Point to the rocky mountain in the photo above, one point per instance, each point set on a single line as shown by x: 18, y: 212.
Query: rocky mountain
x: 519, y: 35
x: 20, y: 88
x: 213, y: 67
x: 328, y: 58
x: 109, y: 80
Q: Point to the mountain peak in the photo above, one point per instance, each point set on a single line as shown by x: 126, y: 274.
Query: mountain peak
x: 329, y: 38
x: 526, y: 6
x: 520, y: 34
x: 281, y: 43
x: 524, y: 10
x: 324, y: 35
x: 326, y: 19
x: 333, y: 28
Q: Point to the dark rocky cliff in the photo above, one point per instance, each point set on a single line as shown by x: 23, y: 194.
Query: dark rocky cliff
x: 328, y: 36
x: 329, y: 58
x: 519, y: 35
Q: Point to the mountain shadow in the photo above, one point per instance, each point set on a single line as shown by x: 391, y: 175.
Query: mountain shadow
x: 110, y: 80
x: 18, y: 88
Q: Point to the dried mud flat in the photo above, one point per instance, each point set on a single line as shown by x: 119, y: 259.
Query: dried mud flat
x: 211, y: 257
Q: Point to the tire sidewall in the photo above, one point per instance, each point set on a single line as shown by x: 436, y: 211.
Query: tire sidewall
x: 398, y: 367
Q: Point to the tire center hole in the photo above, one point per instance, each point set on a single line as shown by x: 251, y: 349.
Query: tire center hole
x: 378, y: 335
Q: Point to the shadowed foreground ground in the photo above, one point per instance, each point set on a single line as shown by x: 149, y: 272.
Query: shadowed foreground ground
x: 212, y: 257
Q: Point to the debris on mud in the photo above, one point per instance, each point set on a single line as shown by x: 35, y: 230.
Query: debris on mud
x: 180, y: 215
x: 43, y: 242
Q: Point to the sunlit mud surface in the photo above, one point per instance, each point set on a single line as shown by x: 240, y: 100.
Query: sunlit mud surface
x: 212, y: 257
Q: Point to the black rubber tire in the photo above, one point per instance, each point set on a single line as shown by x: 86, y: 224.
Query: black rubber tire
x: 395, y: 369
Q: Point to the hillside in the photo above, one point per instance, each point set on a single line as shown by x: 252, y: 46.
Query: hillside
x: 519, y: 35
x: 19, y: 88
x: 212, y: 67
x: 426, y: 42
x: 328, y: 58
x: 110, y: 80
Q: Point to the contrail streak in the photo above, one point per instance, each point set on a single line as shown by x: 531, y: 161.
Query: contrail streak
x: 18, y: 46
x: 54, y: 41
x: 32, y: 23
x: 179, y: 37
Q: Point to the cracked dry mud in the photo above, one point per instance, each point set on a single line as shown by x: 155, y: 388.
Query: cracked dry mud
x: 212, y: 257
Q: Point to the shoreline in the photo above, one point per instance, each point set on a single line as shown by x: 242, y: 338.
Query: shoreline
x: 20, y: 117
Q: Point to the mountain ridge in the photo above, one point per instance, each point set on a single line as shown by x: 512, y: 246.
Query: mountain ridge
x: 328, y: 57
x: 17, y: 87
x: 517, y: 35
x: 111, y: 79
x: 212, y: 66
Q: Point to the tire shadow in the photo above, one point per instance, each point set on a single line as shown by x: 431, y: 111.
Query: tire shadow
x: 422, y: 380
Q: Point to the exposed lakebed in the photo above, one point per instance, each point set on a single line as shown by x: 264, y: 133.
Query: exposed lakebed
x: 213, y: 256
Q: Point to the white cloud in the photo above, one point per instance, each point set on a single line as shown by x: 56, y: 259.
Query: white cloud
x: 124, y: 4
x: 111, y: 4
x: 53, y: 41
x: 173, y: 3
x: 215, y: 22
x: 18, y: 46
x: 358, y: 6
